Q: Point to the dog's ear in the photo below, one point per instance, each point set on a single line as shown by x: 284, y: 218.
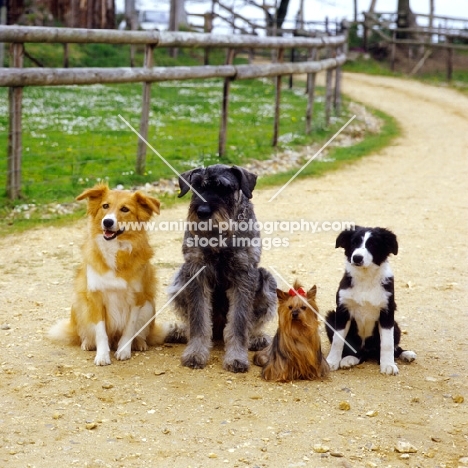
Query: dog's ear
x: 149, y: 204
x: 390, y: 240
x: 185, y: 180
x: 247, y: 180
x: 281, y: 295
x: 343, y: 239
x: 312, y: 292
x: 96, y: 192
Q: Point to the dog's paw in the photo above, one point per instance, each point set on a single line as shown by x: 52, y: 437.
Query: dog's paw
x: 194, y: 362
x: 123, y: 354
x: 87, y: 345
x: 349, y: 361
x: 257, y: 343
x: 139, y: 344
x: 260, y: 359
x: 236, y: 365
x: 334, y: 365
x: 389, y: 369
x: 102, y: 359
x: 408, y: 356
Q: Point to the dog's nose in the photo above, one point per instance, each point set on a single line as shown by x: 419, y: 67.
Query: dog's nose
x: 357, y: 259
x: 295, y: 314
x: 108, y: 223
x: 203, y: 211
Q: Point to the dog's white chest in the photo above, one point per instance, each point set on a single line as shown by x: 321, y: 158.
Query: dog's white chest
x: 106, y: 282
x: 366, y: 298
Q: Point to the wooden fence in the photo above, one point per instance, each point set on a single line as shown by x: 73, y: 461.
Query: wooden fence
x: 16, y: 77
x: 428, y: 38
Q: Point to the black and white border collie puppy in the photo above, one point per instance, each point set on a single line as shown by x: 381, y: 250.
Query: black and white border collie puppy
x: 363, y: 325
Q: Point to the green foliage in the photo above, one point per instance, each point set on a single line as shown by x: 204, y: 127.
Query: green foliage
x: 354, y: 40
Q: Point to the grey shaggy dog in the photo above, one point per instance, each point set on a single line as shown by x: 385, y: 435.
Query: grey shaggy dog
x: 231, y: 299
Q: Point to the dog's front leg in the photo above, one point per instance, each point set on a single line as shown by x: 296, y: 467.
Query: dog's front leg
x: 387, y: 343
x: 138, y: 314
x: 340, y: 331
x: 236, y: 333
x: 197, y: 299
x: 96, y: 313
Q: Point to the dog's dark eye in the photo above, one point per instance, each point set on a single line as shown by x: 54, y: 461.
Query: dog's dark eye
x: 290, y: 307
x: 303, y: 307
x: 124, y: 209
x: 105, y: 206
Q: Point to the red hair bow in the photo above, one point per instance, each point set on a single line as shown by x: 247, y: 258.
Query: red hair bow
x: 300, y: 291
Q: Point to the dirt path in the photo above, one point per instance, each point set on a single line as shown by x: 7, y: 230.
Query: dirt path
x: 150, y: 411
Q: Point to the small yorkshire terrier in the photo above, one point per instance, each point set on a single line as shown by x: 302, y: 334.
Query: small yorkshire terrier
x: 295, y: 352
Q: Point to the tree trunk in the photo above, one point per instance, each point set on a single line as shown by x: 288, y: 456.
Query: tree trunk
x: 431, y: 13
x: 372, y: 6
x: 405, y: 19
x: 178, y: 16
x: 281, y: 13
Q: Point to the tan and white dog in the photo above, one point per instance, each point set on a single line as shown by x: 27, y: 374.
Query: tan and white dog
x: 114, y: 294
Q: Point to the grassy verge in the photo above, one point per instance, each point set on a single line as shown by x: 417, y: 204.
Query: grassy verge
x: 338, y: 156
x: 374, y: 67
x: 336, y: 159
x: 73, y: 136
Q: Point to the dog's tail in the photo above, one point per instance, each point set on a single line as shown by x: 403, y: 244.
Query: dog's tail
x: 65, y: 332
x: 167, y: 333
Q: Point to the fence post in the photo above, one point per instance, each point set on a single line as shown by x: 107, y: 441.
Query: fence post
x: 15, y: 99
x: 449, y: 60
x: 224, y: 107
x: 337, y: 93
x: 141, y: 151
x: 328, y: 93
x: 66, y: 55
x: 277, y: 101
x: 291, y: 79
x: 310, y: 94
x: 207, y: 28
x: 393, y: 52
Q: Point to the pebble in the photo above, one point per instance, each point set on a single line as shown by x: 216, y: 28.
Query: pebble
x: 463, y: 461
x: 402, y: 446
x: 91, y: 426
x: 458, y: 399
x: 212, y: 455
x: 337, y: 454
x: 436, y: 439
x: 319, y: 448
x: 5, y: 326
x: 344, y: 405
x: 159, y: 372
x: 107, y: 386
x: 372, y: 413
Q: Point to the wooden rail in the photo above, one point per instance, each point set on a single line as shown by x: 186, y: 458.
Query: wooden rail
x: 16, y: 77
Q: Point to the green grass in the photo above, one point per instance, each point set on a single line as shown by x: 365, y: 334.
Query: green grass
x: 107, y: 55
x: 368, y: 66
x: 73, y: 136
x: 341, y: 156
